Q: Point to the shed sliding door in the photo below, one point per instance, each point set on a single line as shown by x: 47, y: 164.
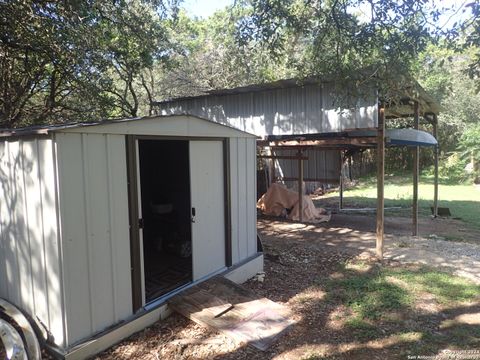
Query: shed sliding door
x: 208, y: 207
x: 178, y: 225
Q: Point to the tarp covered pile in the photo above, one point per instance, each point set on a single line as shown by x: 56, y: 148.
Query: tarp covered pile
x: 280, y: 201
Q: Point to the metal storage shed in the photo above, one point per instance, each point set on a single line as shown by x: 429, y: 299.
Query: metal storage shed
x: 88, y: 209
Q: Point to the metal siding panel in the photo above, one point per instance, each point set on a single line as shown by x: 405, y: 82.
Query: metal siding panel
x: 313, y: 108
x: 5, y: 261
x: 98, y: 219
x: 74, y: 236
x: 258, y: 116
x: 283, y: 123
x: 238, y: 106
x: 234, y: 195
x: 251, y: 173
x: 231, y: 112
x: 270, y: 105
x: 321, y: 164
x: 219, y: 110
x: 119, y: 226
x: 24, y: 259
x: 23, y: 223
x: 302, y: 109
x: 347, y: 119
x: 299, y: 110
x: 331, y: 118
x: 12, y: 271
x: 242, y: 200
x: 18, y: 239
x: 248, y: 113
x: 35, y: 230
x: 331, y: 165
x: 50, y: 221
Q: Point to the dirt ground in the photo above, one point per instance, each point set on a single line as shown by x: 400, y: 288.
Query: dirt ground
x: 299, y: 259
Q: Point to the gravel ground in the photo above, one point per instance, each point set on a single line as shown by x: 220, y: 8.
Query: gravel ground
x: 355, y: 234
x: 298, y: 260
x: 461, y: 259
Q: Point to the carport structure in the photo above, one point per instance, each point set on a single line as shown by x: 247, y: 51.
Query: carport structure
x: 295, y: 118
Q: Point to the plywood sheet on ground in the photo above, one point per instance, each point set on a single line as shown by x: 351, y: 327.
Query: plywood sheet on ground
x: 231, y: 309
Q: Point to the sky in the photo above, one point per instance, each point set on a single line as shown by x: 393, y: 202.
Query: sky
x: 205, y: 8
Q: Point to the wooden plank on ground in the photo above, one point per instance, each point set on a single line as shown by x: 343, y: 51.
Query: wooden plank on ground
x: 225, y: 306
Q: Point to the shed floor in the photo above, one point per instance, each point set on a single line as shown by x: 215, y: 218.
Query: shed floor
x: 166, y: 273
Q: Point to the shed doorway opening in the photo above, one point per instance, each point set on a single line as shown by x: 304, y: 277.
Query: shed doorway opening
x: 165, y: 209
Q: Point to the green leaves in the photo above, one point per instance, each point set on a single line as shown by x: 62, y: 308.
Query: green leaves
x: 74, y: 60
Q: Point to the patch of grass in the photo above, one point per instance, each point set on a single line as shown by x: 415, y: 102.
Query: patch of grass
x: 369, y: 294
x: 361, y: 329
x: 462, y: 199
x: 373, y: 295
x: 453, y: 238
x: 320, y: 357
x: 446, y: 288
x: 464, y: 335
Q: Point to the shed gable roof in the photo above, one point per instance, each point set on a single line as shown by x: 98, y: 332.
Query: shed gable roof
x: 168, y: 125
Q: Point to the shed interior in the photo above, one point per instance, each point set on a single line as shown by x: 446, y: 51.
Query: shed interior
x: 165, y: 203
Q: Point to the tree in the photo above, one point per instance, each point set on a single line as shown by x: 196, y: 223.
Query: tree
x: 76, y: 60
x: 206, y: 56
x: 376, y: 45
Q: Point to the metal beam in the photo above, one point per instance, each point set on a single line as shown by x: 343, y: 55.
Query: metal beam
x: 283, y: 157
x: 356, y: 141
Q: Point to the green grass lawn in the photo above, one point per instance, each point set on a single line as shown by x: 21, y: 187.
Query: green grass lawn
x: 462, y: 199
x: 388, y: 299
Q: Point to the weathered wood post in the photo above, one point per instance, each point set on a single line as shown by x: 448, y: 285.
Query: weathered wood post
x: 300, y: 184
x: 416, y: 166
x: 380, y: 180
x: 435, y: 180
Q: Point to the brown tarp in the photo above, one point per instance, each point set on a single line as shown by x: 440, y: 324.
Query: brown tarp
x: 278, y: 199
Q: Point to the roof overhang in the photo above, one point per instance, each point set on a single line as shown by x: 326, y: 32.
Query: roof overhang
x: 352, y: 139
x: 402, y: 100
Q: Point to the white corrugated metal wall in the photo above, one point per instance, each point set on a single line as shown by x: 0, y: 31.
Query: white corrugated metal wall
x: 95, y: 231
x: 322, y: 165
x: 30, y: 273
x: 295, y: 110
x: 243, y: 189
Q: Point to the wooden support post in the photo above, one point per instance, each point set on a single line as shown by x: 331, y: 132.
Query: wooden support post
x: 340, y: 205
x: 416, y: 165
x: 435, y: 180
x: 300, y: 185
x: 272, y: 171
x: 350, y: 175
x: 380, y: 180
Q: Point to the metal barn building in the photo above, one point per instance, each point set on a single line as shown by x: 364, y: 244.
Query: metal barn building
x: 100, y: 223
x: 285, y: 107
x: 315, y: 123
x: 292, y: 108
